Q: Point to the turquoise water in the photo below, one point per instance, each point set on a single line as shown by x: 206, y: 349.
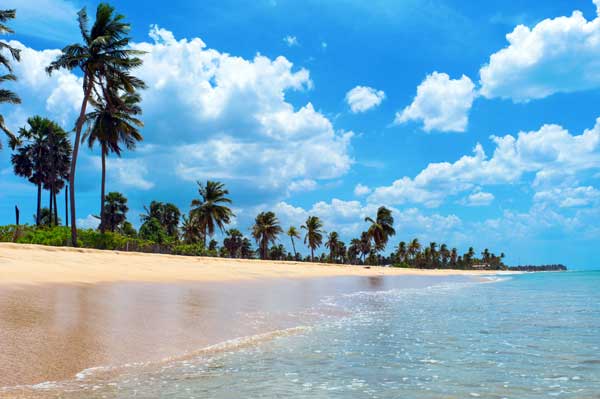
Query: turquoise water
x: 524, y: 336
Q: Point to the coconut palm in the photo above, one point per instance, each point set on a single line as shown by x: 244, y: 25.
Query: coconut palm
x: 7, y: 96
x: 190, y: 230
x: 333, y: 244
x: 354, y: 250
x: 314, y: 234
x: 105, y: 61
x: 246, y: 251
x: 115, y: 211
x: 57, y: 163
x: 210, y: 210
x: 113, y: 125
x: 166, y: 214
x: 265, y: 231
x: 413, y: 248
x: 293, y: 232
x: 365, y: 245
x: 453, y: 256
x: 381, y: 228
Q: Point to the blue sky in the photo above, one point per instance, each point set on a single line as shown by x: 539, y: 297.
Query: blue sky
x: 477, y: 125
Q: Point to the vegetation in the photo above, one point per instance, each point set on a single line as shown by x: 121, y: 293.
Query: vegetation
x: 265, y: 231
x: 314, y: 234
x: 209, y: 210
x: 7, y: 96
x: 105, y: 61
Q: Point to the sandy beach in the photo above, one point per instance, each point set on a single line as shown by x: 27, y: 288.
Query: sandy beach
x: 36, y: 264
x: 64, y: 310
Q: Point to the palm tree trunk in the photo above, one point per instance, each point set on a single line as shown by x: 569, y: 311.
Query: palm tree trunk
x: 102, y: 189
x: 294, y: 247
x: 78, y: 128
x: 55, y: 207
x: 312, y: 255
x: 39, y: 204
x: 50, y: 207
x: 67, y: 206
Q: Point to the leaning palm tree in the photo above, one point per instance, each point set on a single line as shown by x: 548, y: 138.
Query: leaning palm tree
x: 7, y: 96
x: 293, y: 233
x: 104, y: 58
x: 209, y: 210
x: 265, y: 231
x: 381, y: 228
x: 314, y: 234
x: 113, y: 125
x: 333, y: 244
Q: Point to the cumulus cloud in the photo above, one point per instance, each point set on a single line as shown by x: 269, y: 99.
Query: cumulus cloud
x: 441, y: 103
x: 361, y: 189
x: 207, y: 114
x: 478, y: 198
x: 363, y: 98
x: 545, y: 152
x: 568, y: 197
x: 559, y: 55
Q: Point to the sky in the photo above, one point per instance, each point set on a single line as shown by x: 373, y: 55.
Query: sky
x: 476, y: 124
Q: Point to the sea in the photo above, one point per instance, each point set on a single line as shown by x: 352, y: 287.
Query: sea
x: 520, y: 336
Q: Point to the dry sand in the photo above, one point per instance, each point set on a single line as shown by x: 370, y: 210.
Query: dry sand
x: 36, y: 264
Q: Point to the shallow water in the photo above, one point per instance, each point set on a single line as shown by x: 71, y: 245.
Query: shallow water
x: 524, y: 336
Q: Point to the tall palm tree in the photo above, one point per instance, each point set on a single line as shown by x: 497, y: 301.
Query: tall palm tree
x: 115, y: 208
x: 333, y: 244
x: 104, y: 59
x: 210, y: 210
x: 365, y: 245
x: 265, y: 231
x: 7, y: 96
x: 293, y: 232
x: 113, y: 124
x: 314, y: 234
x: 381, y: 228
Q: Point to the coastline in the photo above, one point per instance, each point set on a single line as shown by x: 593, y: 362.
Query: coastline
x: 27, y: 264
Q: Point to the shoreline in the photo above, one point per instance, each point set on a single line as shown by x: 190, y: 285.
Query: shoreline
x: 29, y: 264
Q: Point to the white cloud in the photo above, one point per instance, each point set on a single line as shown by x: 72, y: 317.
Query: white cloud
x: 543, y: 153
x: 361, y: 190
x: 125, y: 172
x: 559, y: 55
x: 478, y: 198
x: 569, y: 197
x: 363, y: 98
x: 291, y: 41
x: 441, y: 103
x: 302, y: 186
x: 226, y: 117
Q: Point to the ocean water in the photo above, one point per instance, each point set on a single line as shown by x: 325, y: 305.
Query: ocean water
x: 519, y: 336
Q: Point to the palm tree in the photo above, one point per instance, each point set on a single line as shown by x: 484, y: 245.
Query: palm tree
x: 233, y: 242
x: 293, y: 233
x: 104, y: 60
x: 413, y: 248
x: 166, y: 214
x: 113, y: 123
x: 190, y: 230
x: 402, y: 251
x: 445, y: 254
x: 265, y: 231
x: 381, y: 228
x: 42, y: 156
x: 115, y: 211
x: 7, y: 96
x: 433, y: 253
x: 354, y: 250
x: 453, y: 256
x: 246, y: 251
x: 333, y: 244
x: 209, y: 209
x: 314, y: 234
x: 365, y: 245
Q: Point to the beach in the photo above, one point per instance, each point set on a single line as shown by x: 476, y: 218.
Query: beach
x: 64, y: 310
